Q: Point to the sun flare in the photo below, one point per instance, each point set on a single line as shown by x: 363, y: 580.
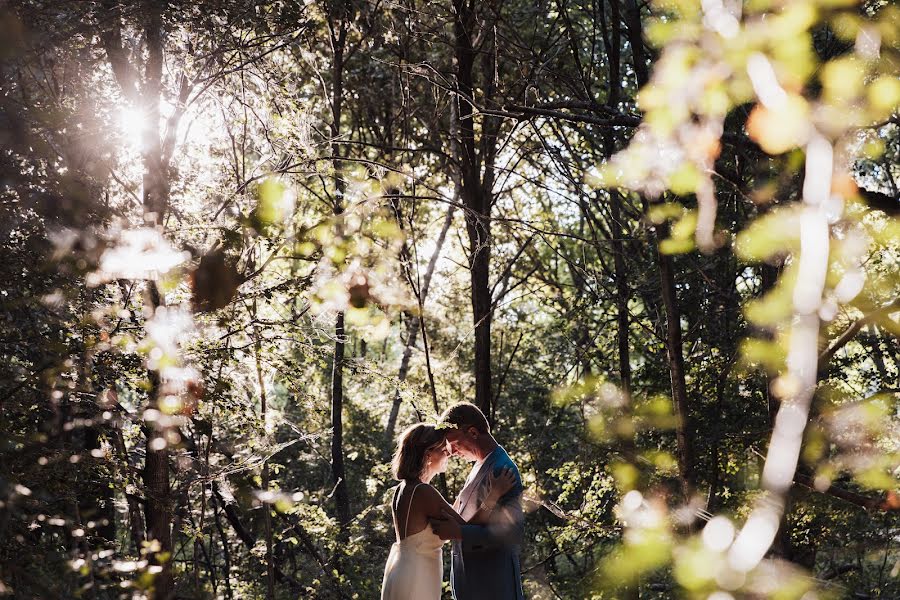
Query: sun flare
x: 132, y: 123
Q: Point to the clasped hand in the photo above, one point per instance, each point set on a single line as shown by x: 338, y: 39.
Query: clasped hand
x: 448, y: 526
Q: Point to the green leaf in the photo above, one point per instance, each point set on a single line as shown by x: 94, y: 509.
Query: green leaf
x: 660, y: 213
x: 685, y: 179
x: 676, y: 246
x: 776, y: 232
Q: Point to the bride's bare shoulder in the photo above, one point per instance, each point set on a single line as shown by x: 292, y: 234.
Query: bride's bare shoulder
x: 430, y: 497
x: 415, y: 490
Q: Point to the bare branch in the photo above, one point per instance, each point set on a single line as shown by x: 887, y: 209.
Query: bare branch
x: 851, y: 331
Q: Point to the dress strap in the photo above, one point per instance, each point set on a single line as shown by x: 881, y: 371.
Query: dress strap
x: 409, y: 509
x: 395, y: 508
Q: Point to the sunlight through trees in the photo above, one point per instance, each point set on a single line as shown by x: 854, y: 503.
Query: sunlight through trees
x: 245, y: 244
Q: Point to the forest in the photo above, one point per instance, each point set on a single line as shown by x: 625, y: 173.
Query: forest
x: 244, y: 244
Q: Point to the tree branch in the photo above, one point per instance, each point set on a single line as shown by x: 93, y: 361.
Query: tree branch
x: 890, y: 502
x: 111, y: 38
x: 853, y: 329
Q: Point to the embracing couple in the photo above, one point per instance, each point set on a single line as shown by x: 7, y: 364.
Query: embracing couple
x: 485, y: 523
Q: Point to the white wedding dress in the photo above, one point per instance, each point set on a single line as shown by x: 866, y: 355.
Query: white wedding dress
x: 415, y: 568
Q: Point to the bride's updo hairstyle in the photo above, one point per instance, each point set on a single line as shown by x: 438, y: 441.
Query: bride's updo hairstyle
x: 414, y: 443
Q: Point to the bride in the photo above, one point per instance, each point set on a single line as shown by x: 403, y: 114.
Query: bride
x: 415, y: 568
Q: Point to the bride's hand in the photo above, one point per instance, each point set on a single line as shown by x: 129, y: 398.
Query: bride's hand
x: 500, y: 483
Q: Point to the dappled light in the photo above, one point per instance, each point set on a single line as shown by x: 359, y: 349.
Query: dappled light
x: 137, y: 254
x: 507, y: 300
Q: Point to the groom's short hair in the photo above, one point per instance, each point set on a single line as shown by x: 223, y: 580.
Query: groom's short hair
x: 466, y: 414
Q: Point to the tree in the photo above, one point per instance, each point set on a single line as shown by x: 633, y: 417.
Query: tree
x: 234, y: 259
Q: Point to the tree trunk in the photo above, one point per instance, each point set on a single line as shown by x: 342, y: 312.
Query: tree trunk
x: 476, y: 193
x: 156, y: 176
x: 337, y: 437
x: 99, y: 506
x: 342, y: 499
x: 226, y: 551
x: 158, y: 512
x: 612, y: 44
x: 158, y: 506
x: 144, y: 92
x: 136, y: 527
x: 674, y: 351
x: 479, y: 262
x: 622, y: 293
x: 267, y: 509
x: 635, y: 36
x: 684, y: 431
x: 158, y: 509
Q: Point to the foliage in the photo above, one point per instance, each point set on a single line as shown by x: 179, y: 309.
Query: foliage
x: 308, y: 155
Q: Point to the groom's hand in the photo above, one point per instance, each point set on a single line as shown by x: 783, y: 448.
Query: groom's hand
x: 446, y: 528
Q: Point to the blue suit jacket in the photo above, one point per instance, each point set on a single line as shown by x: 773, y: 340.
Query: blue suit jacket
x: 485, y: 563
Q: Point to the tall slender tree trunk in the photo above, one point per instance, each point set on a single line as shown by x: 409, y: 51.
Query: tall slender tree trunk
x: 476, y: 193
x: 339, y: 26
x: 158, y: 510
x: 226, y: 550
x: 337, y: 436
x: 267, y: 509
x: 158, y: 490
x: 136, y: 527
x: 635, y: 34
x: 612, y: 41
x: 622, y: 292
x: 144, y: 93
x: 616, y: 228
x: 731, y: 306
x: 479, y: 262
x: 156, y: 176
x: 684, y: 432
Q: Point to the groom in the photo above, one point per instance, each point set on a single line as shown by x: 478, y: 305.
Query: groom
x: 485, y: 558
